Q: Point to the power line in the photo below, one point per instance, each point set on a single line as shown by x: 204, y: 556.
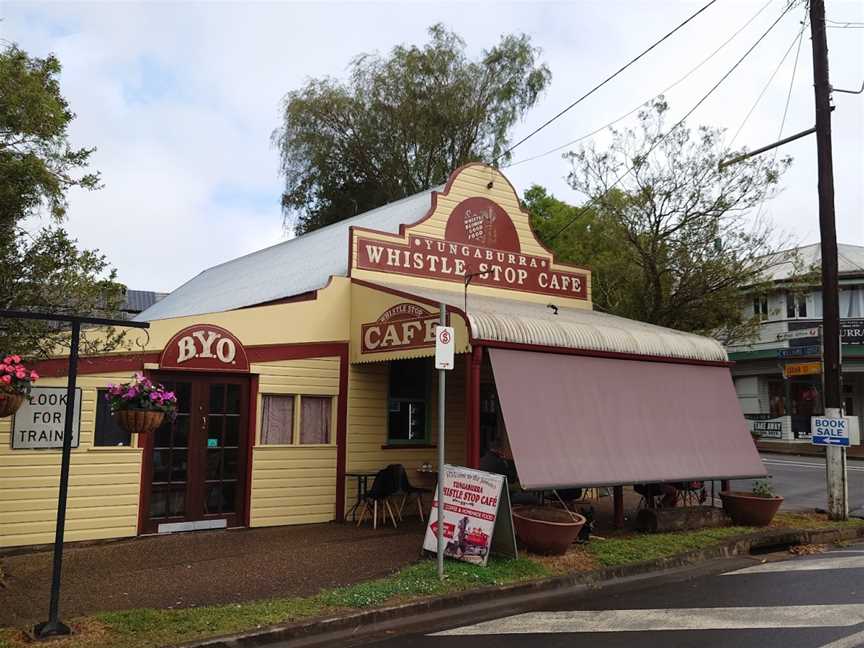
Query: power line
x: 603, y: 82
x: 795, y: 40
x: 641, y: 104
x: 680, y: 121
x: 786, y: 107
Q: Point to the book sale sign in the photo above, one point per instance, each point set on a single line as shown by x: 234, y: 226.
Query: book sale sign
x: 477, y: 517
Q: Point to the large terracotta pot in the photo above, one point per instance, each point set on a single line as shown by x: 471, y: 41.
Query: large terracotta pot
x: 746, y: 509
x: 139, y: 421
x: 546, y: 530
x: 9, y: 403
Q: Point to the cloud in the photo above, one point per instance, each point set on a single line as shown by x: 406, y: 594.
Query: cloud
x: 181, y: 99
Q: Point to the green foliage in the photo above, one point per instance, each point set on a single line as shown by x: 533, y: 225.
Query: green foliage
x: 763, y: 488
x: 613, y: 552
x: 422, y: 580
x: 44, y: 270
x: 400, y: 124
x: 37, y: 164
x: 675, y: 243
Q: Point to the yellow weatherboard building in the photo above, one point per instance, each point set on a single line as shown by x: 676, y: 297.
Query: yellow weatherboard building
x: 309, y: 361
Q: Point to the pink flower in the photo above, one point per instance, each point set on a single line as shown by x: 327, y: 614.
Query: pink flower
x: 34, y: 376
x: 20, y: 374
x: 16, y: 358
x: 7, y: 360
x: 6, y: 379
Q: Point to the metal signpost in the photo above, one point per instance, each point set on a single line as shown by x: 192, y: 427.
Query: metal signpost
x: 443, y: 363
x: 54, y: 627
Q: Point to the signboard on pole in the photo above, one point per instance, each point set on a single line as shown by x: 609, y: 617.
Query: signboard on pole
x: 812, y: 332
x: 829, y: 431
x: 444, y: 344
x: 800, y: 351
x: 477, y: 517
x: 802, y: 369
x: 40, y: 420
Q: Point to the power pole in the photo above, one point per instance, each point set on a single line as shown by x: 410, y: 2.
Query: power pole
x: 835, y: 457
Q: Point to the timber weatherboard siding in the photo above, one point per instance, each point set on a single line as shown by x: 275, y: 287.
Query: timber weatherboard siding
x: 104, y: 482
x: 295, y: 484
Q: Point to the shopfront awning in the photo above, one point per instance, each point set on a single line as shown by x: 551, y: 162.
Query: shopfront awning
x: 575, y: 420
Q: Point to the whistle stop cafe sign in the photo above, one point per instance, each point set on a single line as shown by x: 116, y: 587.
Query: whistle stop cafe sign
x: 404, y: 326
x: 479, y: 238
x: 204, y: 347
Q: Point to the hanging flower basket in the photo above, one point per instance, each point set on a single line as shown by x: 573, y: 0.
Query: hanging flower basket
x: 137, y: 421
x: 15, y: 383
x: 140, y: 406
x: 9, y: 403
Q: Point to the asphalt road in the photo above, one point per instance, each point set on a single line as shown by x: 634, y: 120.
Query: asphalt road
x: 807, y: 602
x: 801, y: 481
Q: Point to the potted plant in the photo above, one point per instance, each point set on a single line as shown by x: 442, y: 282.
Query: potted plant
x: 545, y: 529
x: 15, y: 383
x: 756, y: 508
x: 141, y: 405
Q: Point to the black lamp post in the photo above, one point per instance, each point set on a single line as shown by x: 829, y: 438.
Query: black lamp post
x: 54, y: 627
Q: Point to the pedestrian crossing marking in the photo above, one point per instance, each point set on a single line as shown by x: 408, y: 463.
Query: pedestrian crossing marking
x: 720, y: 618
x: 811, y: 564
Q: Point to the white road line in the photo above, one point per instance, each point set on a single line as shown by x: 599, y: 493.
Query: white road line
x: 729, y: 618
x: 852, y: 641
x: 819, y: 466
x: 808, y: 564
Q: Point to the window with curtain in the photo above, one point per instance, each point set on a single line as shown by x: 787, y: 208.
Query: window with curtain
x: 315, y: 419
x: 796, y: 305
x: 407, y: 415
x: 107, y: 432
x: 277, y: 420
x: 760, y: 307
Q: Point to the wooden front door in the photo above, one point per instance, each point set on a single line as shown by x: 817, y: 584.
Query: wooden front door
x: 195, y: 477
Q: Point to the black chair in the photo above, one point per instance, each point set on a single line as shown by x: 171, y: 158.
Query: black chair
x: 406, y: 489
x: 384, y: 486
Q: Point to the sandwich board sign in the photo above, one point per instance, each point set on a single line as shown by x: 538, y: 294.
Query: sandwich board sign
x: 477, y: 516
x: 41, y: 419
x: 829, y: 431
x: 444, y: 342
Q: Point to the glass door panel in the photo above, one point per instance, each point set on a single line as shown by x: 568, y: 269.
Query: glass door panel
x: 170, y: 459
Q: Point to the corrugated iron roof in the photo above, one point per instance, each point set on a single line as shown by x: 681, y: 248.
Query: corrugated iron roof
x: 290, y: 268
x: 136, y: 301
x: 519, y: 322
x: 850, y: 260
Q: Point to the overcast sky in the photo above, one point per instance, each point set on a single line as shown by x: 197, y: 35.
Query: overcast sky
x: 180, y: 100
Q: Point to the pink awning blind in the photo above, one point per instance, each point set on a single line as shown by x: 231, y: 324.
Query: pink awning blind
x: 584, y: 421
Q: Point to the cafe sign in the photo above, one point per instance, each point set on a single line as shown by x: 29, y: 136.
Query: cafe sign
x: 480, y: 239
x: 40, y: 421
x: 204, y: 347
x: 399, y: 328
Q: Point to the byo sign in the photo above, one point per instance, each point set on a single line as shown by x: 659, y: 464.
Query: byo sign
x: 204, y: 347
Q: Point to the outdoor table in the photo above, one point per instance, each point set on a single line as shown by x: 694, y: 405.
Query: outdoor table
x: 362, y: 477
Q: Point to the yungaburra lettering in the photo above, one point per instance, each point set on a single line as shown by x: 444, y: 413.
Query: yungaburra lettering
x: 449, y: 261
x: 404, y: 326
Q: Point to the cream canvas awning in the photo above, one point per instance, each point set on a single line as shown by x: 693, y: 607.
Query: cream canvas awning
x: 495, y: 319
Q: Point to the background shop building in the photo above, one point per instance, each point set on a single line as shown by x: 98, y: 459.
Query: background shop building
x: 779, y: 381
x: 311, y: 359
